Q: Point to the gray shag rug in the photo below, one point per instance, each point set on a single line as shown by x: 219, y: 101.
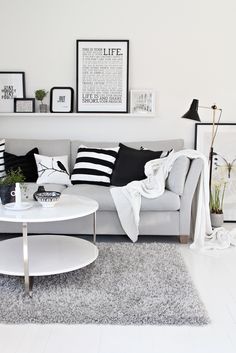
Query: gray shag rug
x: 128, y: 284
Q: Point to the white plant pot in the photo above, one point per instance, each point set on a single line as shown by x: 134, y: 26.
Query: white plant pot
x: 217, y: 219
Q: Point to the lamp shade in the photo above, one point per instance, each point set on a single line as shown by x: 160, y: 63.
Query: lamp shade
x: 192, y: 113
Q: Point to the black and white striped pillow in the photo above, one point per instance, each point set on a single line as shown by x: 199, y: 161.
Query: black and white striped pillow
x: 94, y: 165
x: 2, y: 164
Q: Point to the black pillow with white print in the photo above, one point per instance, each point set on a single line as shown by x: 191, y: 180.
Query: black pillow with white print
x: 2, y: 164
x: 94, y: 165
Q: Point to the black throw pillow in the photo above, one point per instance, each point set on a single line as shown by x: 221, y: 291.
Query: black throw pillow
x: 130, y: 164
x: 26, y: 163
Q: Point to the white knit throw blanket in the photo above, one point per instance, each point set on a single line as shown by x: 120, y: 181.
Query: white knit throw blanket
x: 127, y: 200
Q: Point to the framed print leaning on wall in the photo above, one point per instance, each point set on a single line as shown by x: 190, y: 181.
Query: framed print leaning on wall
x: 224, y: 160
x: 102, y: 76
x: 142, y: 102
x: 12, y: 85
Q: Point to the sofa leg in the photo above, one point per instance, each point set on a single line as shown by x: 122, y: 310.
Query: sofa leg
x: 183, y: 239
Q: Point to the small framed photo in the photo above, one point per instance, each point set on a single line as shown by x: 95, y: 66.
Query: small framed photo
x: 12, y: 85
x: 24, y: 105
x: 142, y: 102
x: 61, y: 100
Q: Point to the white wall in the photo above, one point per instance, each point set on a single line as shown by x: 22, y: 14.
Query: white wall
x: 183, y: 49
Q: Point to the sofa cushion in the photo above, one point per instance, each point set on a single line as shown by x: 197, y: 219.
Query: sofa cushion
x: 45, y: 147
x: 130, y: 164
x: 2, y: 164
x: 94, y: 165
x: 169, y: 201
x: 26, y: 163
x: 177, y: 176
x: 52, y: 170
x: 158, y: 145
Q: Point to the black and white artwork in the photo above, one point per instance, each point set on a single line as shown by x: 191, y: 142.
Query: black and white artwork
x: 61, y: 100
x: 52, y: 169
x: 12, y: 85
x: 142, y: 102
x: 224, y: 161
x: 56, y: 167
x: 102, y: 76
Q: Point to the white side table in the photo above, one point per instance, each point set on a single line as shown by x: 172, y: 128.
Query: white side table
x: 42, y: 255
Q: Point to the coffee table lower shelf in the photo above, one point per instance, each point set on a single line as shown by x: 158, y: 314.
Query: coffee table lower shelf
x: 48, y: 255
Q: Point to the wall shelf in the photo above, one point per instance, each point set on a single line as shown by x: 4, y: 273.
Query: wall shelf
x: 77, y: 115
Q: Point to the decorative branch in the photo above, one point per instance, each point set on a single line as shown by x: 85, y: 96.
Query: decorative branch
x: 44, y: 168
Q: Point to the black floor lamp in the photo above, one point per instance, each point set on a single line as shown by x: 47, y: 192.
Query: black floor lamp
x: 192, y: 114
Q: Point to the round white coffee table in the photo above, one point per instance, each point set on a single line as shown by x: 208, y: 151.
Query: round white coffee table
x: 41, y: 255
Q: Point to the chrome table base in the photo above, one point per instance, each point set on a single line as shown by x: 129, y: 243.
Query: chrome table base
x: 28, y: 281
x: 28, y: 290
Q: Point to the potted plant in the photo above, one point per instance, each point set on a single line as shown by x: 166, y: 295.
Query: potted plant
x: 40, y: 94
x: 7, y: 185
x: 217, y: 202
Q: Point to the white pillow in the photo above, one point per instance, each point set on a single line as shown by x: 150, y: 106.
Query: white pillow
x: 53, y: 170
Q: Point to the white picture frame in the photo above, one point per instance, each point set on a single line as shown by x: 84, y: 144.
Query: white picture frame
x: 102, y: 78
x: 142, y: 101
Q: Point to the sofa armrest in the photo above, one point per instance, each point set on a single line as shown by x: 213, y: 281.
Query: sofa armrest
x: 187, y: 197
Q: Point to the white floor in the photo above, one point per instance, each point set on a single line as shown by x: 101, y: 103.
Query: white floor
x: 215, y: 277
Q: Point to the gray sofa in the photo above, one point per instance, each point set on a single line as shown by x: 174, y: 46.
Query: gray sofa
x: 170, y: 214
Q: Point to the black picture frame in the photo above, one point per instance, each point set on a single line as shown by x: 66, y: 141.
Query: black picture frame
x: 65, y: 104
x: 96, y: 89
x: 21, y: 106
x: 12, y: 85
x: 224, y: 160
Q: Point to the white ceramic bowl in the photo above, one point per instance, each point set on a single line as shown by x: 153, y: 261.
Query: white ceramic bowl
x: 48, y: 198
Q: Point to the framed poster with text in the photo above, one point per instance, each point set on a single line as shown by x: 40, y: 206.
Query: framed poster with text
x: 102, y: 76
x: 12, y: 85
